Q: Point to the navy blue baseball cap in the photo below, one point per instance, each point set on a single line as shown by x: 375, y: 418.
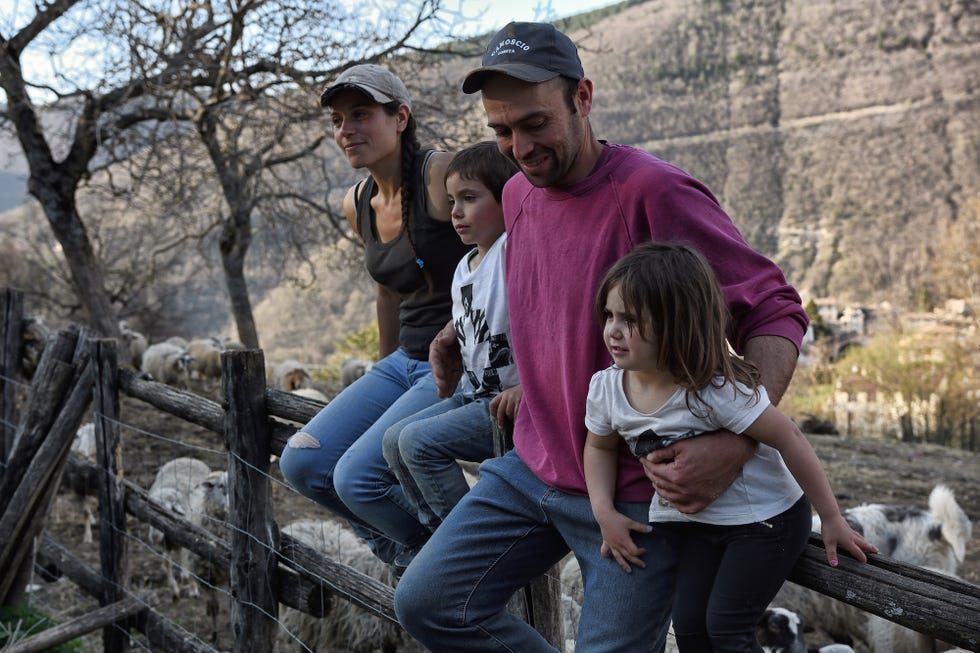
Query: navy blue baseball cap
x: 532, y: 52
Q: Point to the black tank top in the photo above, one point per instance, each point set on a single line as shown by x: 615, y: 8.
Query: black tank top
x: 394, y: 265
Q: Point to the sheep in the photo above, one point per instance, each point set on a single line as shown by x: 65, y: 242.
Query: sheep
x: 352, y: 369
x: 134, y: 344
x: 935, y: 539
x: 346, y: 627
x: 35, y: 336
x: 167, y: 363
x: 81, y: 478
x: 231, y: 343
x: 172, y: 488
x: 782, y: 631
x: 179, y: 341
x: 291, y: 375
x: 208, y: 507
x: 311, y: 393
x: 205, y: 358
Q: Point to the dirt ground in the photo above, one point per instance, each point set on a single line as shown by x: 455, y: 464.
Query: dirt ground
x: 861, y: 471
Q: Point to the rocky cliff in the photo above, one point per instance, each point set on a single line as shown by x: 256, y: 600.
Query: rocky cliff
x: 842, y: 136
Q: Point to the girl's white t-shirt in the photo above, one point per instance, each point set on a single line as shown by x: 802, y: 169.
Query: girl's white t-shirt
x: 763, y: 489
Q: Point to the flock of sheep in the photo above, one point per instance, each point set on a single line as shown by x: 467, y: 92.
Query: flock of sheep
x: 176, y: 360
x: 934, y: 538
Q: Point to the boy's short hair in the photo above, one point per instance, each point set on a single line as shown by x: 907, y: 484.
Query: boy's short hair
x: 483, y: 162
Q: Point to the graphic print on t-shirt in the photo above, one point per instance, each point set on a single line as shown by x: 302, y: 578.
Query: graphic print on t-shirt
x: 473, y: 322
x: 476, y: 317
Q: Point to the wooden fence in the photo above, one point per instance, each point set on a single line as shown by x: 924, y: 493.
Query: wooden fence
x: 76, y: 369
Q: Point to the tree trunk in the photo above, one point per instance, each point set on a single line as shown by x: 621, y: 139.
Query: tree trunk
x: 236, y: 236
x: 54, y: 185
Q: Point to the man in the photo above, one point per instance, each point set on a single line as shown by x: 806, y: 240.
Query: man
x: 579, y: 206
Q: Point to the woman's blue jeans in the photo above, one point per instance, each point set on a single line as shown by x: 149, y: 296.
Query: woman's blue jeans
x: 422, y: 451
x: 509, y: 529
x: 336, y: 459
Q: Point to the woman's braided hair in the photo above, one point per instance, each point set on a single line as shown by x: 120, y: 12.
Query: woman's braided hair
x: 410, y: 148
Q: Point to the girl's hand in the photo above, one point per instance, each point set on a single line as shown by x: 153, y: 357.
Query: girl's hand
x: 617, y: 543
x: 836, y: 532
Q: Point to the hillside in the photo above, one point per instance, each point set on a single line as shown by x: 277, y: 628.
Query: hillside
x: 840, y: 136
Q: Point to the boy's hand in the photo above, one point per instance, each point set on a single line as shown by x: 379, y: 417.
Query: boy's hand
x: 836, y: 532
x: 617, y: 542
x: 503, y: 407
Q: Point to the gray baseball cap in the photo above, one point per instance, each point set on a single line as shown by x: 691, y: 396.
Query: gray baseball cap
x: 533, y: 52
x: 376, y: 82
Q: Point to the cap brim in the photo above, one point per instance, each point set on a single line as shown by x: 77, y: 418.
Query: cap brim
x: 374, y: 94
x: 473, y: 81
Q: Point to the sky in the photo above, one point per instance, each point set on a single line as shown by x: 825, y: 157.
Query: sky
x: 497, y: 13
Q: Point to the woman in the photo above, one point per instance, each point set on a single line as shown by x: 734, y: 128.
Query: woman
x: 402, y: 215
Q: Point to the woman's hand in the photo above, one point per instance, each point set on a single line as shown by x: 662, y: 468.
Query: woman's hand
x: 446, y: 360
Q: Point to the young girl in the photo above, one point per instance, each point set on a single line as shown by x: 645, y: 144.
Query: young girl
x: 673, y: 377
x: 401, y: 214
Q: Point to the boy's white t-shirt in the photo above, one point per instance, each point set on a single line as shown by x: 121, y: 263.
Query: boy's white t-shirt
x: 482, y: 323
x: 763, y: 489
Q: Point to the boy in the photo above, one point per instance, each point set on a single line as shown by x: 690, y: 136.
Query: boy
x: 422, y: 450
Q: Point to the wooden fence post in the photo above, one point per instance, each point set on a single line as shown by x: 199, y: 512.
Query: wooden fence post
x: 538, y: 603
x: 253, y: 554
x: 30, y: 481
x: 112, y: 496
x: 11, y: 339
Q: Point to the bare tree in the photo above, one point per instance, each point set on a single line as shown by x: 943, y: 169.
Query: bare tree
x: 52, y: 182
x: 237, y: 79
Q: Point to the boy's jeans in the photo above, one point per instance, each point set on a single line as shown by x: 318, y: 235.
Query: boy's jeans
x: 422, y: 451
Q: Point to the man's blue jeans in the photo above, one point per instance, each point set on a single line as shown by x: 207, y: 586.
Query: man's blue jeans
x: 509, y: 529
x: 336, y: 459
x: 422, y: 451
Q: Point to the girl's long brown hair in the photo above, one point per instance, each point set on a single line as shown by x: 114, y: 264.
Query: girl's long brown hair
x: 678, y: 305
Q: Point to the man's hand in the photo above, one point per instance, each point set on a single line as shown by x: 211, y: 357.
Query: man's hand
x: 445, y: 360
x: 503, y: 407
x: 694, y: 472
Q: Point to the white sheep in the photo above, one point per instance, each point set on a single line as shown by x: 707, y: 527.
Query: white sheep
x: 167, y: 363
x: 82, y: 480
x: 291, y: 375
x: 172, y: 488
x: 346, y: 627
x: 133, y: 343
x: 231, y: 344
x: 208, y: 507
x: 311, y: 393
x: 205, y: 358
x: 934, y: 539
x: 352, y: 369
